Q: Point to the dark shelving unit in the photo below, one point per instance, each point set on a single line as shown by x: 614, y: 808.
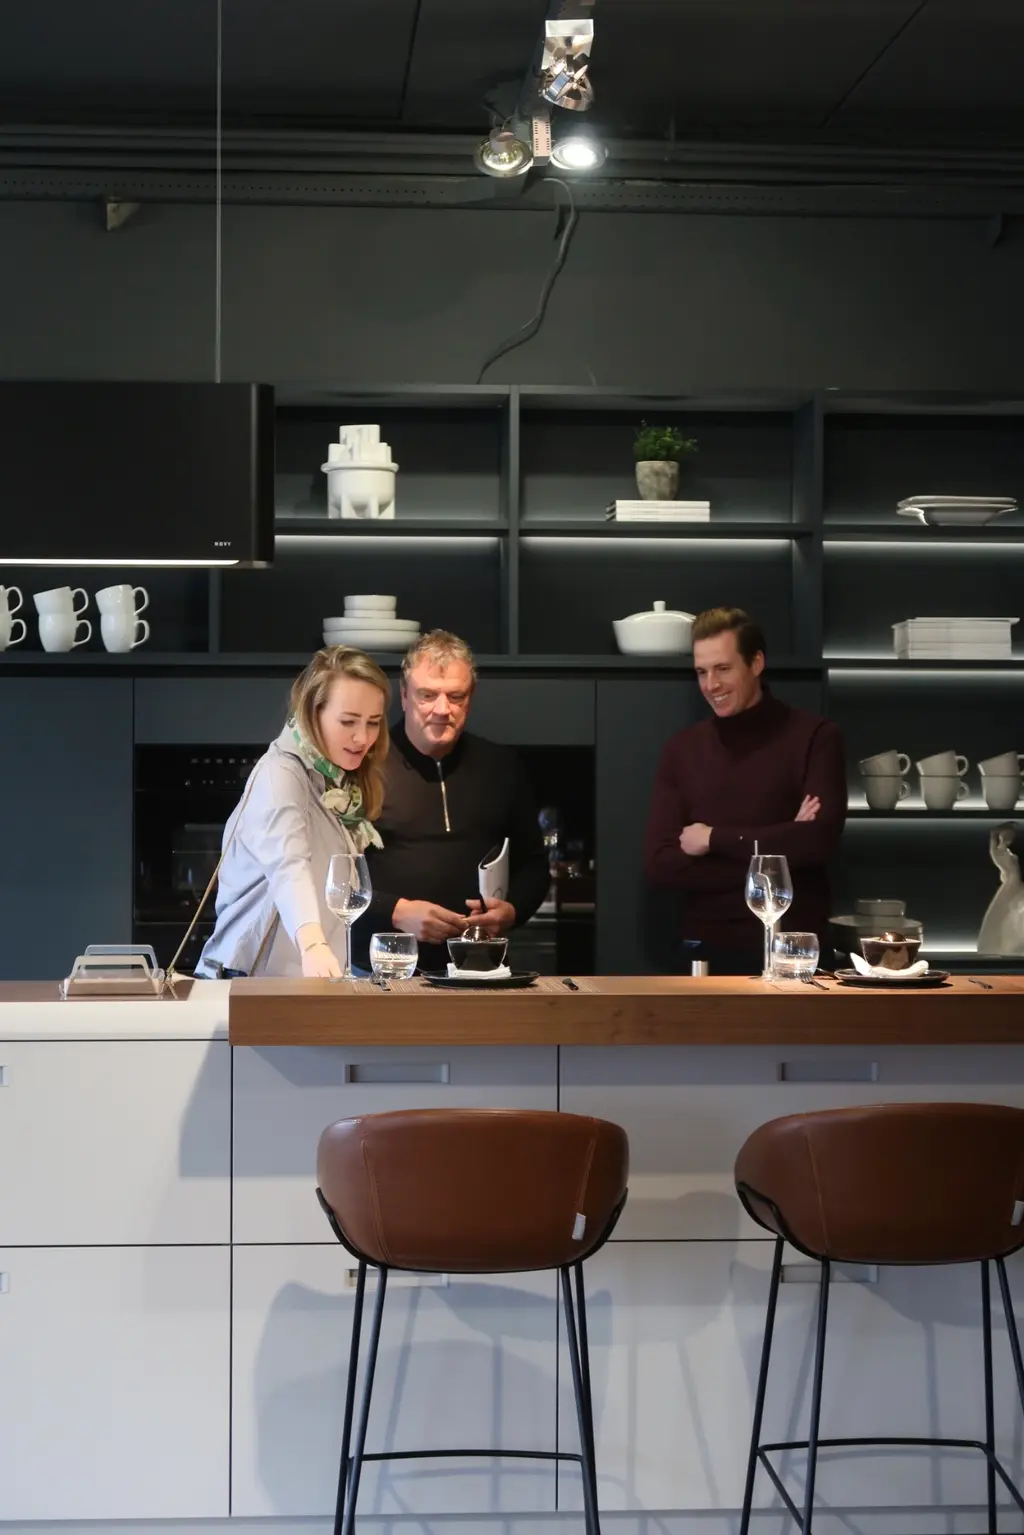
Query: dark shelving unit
x: 501, y: 535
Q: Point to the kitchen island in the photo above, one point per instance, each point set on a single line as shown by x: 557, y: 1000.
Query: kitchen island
x: 174, y: 1310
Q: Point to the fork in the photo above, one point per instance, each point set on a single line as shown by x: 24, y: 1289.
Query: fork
x: 809, y: 980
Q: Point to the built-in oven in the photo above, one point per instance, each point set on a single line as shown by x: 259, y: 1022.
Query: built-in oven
x: 184, y: 795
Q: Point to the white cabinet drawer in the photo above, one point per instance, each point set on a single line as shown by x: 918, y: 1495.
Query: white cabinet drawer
x: 468, y: 1364
x: 115, y: 1383
x: 114, y: 1142
x: 284, y: 1098
x: 676, y: 1328
x: 688, y: 1110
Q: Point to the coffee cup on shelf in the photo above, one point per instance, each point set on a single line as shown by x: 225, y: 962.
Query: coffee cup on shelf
x: 884, y: 790
x: 941, y: 791
x: 943, y: 763
x: 62, y: 600
x: 59, y: 631
x: 1001, y: 790
x: 10, y: 601
x: 123, y: 631
x: 121, y: 599
x: 885, y: 765
x: 998, y: 767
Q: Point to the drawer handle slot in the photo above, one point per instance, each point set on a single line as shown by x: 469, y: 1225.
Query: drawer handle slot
x: 3, y: 1076
x: 828, y: 1071
x: 398, y: 1280
x: 842, y: 1273
x: 5, y: 1283
x: 365, y: 1072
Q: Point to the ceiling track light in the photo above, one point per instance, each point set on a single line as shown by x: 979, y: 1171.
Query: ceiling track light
x: 564, y: 78
x: 503, y: 154
x: 578, y: 150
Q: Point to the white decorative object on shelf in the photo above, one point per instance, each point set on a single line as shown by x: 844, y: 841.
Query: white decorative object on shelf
x: 954, y: 639
x: 1002, y: 927
x: 360, y: 475
x: 956, y: 511
x: 659, y: 511
x: 656, y: 632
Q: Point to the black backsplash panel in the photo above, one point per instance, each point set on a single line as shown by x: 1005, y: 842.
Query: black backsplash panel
x: 572, y: 589
x: 449, y: 583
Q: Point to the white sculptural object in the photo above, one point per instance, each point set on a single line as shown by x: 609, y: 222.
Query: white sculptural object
x: 360, y: 475
x: 1002, y: 927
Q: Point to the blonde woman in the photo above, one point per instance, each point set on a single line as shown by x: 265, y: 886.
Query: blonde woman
x: 316, y: 791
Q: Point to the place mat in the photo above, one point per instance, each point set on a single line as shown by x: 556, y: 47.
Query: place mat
x: 552, y: 984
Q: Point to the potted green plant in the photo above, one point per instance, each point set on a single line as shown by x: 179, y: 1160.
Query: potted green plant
x: 658, y: 451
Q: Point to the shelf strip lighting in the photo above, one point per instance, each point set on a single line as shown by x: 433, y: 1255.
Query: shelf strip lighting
x: 76, y: 561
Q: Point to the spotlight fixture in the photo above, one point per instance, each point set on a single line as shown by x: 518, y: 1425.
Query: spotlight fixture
x: 564, y: 68
x: 503, y: 153
x: 579, y: 151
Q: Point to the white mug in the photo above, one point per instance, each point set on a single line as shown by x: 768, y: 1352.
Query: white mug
x: 1001, y: 790
x: 117, y: 599
x: 7, y: 626
x: 6, y: 605
x: 943, y: 763
x: 58, y: 631
x: 1006, y: 762
x: 885, y: 790
x: 119, y: 630
x: 61, y: 599
x: 888, y: 764
x: 941, y: 791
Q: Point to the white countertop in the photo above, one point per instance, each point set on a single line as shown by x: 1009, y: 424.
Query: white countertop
x: 36, y: 1011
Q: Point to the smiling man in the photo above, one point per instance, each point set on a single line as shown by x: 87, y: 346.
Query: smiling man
x: 757, y: 770
x: 450, y: 797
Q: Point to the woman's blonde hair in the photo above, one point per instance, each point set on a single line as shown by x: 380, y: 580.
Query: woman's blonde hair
x: 310, y: 692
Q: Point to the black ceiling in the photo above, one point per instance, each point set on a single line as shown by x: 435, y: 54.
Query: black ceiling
x: 882, y: 72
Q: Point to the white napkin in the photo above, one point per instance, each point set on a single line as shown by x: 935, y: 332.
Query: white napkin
x: 500, y: 973
x: 880, y: 972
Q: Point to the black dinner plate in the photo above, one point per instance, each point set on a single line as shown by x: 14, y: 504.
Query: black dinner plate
x: 518, y: 978
x: 930, y: 978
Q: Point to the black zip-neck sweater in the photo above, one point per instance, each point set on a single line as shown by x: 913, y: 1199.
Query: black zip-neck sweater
x: 440, y: 818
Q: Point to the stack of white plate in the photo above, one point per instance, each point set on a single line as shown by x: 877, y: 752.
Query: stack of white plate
x: 956, y: 511
x: 370, y: 624
x: 954, y: 639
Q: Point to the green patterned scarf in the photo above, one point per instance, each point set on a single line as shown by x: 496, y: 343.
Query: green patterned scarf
x: 343, y: 796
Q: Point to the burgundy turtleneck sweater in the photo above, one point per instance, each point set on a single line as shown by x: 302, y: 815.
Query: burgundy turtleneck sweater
x: 745, y: 776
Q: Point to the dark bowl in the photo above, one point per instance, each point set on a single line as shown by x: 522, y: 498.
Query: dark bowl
x: 890, y: 953
x: 477, y: 953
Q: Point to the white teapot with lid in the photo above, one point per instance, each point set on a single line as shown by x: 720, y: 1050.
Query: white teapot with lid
x: 659, y: 631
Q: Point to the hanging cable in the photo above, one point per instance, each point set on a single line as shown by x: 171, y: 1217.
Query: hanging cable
x: 218, y: 220
x: 532, y: 326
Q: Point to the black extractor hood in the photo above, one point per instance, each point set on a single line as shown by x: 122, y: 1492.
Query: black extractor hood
x: 136, y: 474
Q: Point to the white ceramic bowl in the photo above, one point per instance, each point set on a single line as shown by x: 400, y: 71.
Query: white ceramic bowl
x: 372, y: 621
x: 370, y: 639
x: 370, y: 604
x: 654, y: 633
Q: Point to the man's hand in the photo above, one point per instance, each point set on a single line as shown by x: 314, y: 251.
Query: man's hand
x: 426, y: 922
x: 496, y: 917
x: 809, y: 808
x: 695, y: 840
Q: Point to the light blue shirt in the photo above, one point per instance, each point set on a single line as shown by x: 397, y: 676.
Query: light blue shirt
x: 279, y: 841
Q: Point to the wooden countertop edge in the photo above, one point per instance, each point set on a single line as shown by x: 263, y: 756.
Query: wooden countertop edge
x: 625, y: 1012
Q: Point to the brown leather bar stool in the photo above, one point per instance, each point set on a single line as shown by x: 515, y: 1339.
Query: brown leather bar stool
x: 470, y: 1191
x: 900, y: 1183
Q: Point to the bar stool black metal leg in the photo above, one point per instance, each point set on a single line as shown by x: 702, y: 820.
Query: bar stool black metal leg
x: 350, y: 1398
x: 588, y: 1398
x: 590, y: 1514
x: 348, y: 1523
x: 819, y: 1365
x: 1011, y: 1327
x: 762, y: 1383
x: 990, y: 1420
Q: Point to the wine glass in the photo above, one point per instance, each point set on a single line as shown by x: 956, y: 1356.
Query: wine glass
x: 769, y: 895
x: 347, y: 893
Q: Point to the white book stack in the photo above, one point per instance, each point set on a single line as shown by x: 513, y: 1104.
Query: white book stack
x: 659, y: 511
x: 954, y: 639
